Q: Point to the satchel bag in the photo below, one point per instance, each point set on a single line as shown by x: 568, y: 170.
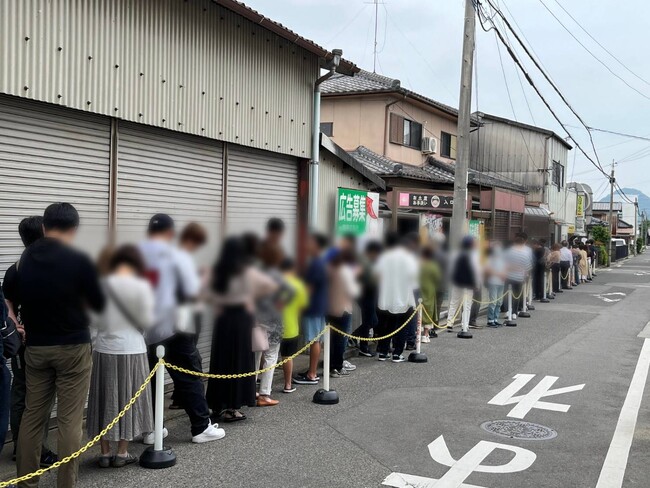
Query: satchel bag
x: 11, y: 339
x: 260, y: 339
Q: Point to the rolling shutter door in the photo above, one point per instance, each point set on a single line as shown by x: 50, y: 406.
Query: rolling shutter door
x: 167, y: 172
x: 50, y: 154
x: 261, y: 185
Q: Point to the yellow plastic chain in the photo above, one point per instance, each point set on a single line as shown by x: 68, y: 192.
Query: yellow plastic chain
x: 369, y: 339
x: 94, y: 440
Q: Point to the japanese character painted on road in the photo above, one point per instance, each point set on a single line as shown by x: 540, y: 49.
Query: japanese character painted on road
x: 525, y: 403
x: 460, y: 470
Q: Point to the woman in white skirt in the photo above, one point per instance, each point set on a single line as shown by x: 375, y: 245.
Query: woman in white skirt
x: 120, y: 363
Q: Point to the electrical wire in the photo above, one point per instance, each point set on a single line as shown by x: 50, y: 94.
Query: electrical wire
x: 623, y: 134
x: 616, y: 75
x: 345, y: 27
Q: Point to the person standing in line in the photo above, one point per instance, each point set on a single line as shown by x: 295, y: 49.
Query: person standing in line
x: 313, y: 321
x: 575, y: 253
x: 192, y: 238
x: 120, y: 363
x: 430, y: 283
x: 5, y: 376
x: 30, y: 230
x: 368, y: 299
x: 412, y: 242
x: 518, y: 264
x: 584, y: 264
x: 57, y: 348
x: 398, y: 272
x: 539, y: 268
x: 441, y: 259
x: 465, y: 277
x: 291, y: 320
x: 172, y: 277
x: 268, y: 313
x: 496, y: 274
x: 238, y: 285
x: 566, y: 258
x: 342, y: 291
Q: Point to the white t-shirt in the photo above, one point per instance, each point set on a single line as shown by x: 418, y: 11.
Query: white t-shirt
x: 398, y: 272
x: 565, y: 254
x: 171, y: 272
x: 115, y: 333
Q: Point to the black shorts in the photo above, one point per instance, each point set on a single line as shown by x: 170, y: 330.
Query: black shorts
x: 289, y: 347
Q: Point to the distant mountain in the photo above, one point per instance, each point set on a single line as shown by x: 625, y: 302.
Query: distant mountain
x: 644, y: 200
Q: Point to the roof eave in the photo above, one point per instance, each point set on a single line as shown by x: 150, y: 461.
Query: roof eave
x: 344, y: 156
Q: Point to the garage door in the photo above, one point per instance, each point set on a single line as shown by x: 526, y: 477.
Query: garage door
x: 167, y: 172
x: 50, y: 154
x: 261, y: 185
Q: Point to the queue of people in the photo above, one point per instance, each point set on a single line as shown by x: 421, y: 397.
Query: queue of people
x: 89, y: 332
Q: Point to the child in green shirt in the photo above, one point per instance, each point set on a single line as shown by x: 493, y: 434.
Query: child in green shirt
x: 291, y: 315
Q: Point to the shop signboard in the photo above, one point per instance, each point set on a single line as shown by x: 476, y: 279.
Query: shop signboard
x: 426, y: 201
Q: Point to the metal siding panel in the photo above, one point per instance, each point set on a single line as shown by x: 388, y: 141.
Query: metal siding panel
x: 261, y: 185
x: 46, y: 155
x: 192, y: 67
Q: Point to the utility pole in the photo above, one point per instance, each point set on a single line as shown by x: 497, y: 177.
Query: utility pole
x: 374, y: 57
x: 636, y: 227
x: 459, y: 214
x: 610, y: 246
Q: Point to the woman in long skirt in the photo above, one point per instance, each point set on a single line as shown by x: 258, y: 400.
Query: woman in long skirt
x: 237, y: 285
x: 120, y: 364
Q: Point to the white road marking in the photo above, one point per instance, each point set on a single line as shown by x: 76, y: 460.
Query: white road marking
x: 605, y: 296
x: 460, y: 470
x: 525, y: 403
x: 613, y: 472
x: 645, y: 333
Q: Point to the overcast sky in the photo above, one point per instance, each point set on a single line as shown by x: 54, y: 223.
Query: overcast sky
x: 419, y: 42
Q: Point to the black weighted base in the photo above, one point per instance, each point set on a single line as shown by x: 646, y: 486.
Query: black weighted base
x: 325, y: 397
x: 433, y: 334
x: 531, y: 307
x: 464, y: 335
x: 158, y: 459
x: 418, y: 357
x: 510, y: 323
x: 544, y: 300
x: 525, y: 315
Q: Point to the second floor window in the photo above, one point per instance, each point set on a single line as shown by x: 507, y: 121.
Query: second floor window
x: 558, y: 174
x: 448, y: 145
x: 405, y: 132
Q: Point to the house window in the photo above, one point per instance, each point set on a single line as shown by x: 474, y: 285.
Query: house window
x: 448, y: 143
x: 405, y: 132
x: 558, y: 174
x: 327, y: 128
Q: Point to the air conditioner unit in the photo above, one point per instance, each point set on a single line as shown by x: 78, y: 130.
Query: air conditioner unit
x: 429, y: 145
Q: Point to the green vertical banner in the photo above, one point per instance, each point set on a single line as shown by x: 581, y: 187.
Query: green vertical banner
x: 351, y: 212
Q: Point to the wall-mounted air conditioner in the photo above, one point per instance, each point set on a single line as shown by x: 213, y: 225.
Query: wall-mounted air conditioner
x: 429, y: 145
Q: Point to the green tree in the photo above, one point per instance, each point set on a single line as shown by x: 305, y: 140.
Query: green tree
x: 602, y: 239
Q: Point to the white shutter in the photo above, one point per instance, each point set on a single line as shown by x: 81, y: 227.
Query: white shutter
x: 261, y: 185
x: 51, y: 154
x: 168, y: 172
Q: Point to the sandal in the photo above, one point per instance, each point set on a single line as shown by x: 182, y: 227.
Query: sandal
x: 229, y: 416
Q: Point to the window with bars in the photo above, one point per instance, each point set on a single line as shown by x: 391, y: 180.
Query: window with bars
x: 558, y: 174
x: 448, y: 145
x: 405, y: 132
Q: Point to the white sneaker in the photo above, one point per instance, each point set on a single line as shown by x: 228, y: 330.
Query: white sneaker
x: 148, y: 439
x: 514, y: 316
x: 211, y: 433
x: 425, y: 339
x: 349, y: 366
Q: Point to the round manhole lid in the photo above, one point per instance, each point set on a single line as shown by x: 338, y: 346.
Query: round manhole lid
x: 517, y: 429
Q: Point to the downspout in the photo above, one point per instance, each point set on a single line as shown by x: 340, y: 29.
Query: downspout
x: 315, y: 148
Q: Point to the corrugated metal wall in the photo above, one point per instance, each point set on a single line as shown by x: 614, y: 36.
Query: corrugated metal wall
x: 333, y: 173
x: 190, y: 66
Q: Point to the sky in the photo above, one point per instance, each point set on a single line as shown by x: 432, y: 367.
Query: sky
x: 420, y: 41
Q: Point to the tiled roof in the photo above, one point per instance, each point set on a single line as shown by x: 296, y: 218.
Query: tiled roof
x: 434, y: 170
x: 604, y: 206
x: 366, y: 82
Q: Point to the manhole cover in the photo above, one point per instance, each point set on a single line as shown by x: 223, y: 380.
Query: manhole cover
x: 516, y: 429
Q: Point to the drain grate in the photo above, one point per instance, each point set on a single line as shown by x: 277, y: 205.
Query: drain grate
x: 517, y: 429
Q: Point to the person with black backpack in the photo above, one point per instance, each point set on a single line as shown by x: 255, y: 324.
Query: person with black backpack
x: 5, y: 376
x: 30, y: 230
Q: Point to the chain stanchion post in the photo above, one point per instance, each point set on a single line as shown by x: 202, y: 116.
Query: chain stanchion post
x: 551, y: 294
x: 530, y: 294
x: 325, y: 396
x: 510, y: 322
x: 159, y: 456
x: 524, y: 296
x: 467, y: 311
x: 545, y: 288
x: 418, y: 356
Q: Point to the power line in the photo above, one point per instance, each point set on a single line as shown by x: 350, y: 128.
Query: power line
x: 549, y: 80
x: 632, y: 136
x: 539, y: 94
x: 603, y: 47
x: 345, y: 27
x: 616, y: 75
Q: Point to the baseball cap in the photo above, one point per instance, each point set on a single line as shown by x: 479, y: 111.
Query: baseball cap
x: 160, y: 223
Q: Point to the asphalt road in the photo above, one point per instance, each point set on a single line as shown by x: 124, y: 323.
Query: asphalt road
x: 390, y: 414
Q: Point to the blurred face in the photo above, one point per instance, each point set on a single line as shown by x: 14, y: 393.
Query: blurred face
x: 65, y: 236
x: 274, y: 236
x: 190, y: 246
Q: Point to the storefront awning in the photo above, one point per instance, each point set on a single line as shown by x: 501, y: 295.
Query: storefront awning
x: 537, y: 212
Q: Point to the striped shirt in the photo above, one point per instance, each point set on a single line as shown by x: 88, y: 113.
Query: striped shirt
x: 518, y: 263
